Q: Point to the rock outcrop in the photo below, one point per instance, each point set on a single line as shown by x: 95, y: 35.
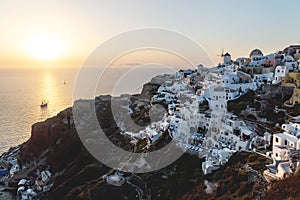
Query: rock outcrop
x: 55, y: 145
x: 149, y: 89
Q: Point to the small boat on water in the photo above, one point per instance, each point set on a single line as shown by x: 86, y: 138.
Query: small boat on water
x: 44, y: 104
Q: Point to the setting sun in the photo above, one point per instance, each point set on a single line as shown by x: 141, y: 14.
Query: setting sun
x: 45, y: 47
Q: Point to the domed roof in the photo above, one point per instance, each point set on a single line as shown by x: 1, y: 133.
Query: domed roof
x: 256, y: 52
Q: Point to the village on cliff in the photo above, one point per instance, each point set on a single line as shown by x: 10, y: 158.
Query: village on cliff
x: 206, y: 116
x: 199, y: 121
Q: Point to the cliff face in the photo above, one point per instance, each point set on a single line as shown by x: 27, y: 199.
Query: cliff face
x: 46, y: 134
x: 265, y: 105
x: 56, y: 134
x: 55, y: 145
x: 239, y: 178
x: 285, y: 189
x: 149, y: 89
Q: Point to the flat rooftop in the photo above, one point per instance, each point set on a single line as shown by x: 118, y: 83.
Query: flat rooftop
x: 287, y: 137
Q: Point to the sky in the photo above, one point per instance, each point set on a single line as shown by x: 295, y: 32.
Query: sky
x: 65, y: 32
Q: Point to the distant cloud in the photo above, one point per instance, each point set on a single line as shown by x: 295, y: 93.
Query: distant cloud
x: 133, y: 64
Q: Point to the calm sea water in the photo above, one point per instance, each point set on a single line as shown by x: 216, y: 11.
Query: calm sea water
x: 21, y: 93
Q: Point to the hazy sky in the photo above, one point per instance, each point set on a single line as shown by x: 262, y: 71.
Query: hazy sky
x: 74, y: 28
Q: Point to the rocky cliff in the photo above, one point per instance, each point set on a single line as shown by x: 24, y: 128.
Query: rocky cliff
x: 55, y: 145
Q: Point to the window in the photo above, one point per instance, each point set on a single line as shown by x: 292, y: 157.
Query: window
x: 285, y: 142
x: 276, y: 154
x: 276, y: 139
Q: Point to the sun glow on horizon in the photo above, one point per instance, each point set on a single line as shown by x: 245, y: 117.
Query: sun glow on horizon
x: 45, y: 47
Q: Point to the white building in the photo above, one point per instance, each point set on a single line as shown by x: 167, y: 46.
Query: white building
x: 257, y: 58
x: 204, y: 120
x: 235, y: 134
x: 115, y: 179
x: 282, y: 144
x: 230, y: 78
x: 291, y: 128
x: 221, y: 93
x: 215, y: 159
x: 179, y: 75
x: 290, y: 62
x: 227, y: 59
x: 200, y: 69
x: 218, y: 105
x: 280, y: 72
x: 241, y: 61
x: 164, y: 96
x: 268, y: 77
x: 285, y: 146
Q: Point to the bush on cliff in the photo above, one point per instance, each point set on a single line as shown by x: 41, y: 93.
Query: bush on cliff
x: 237, y: 105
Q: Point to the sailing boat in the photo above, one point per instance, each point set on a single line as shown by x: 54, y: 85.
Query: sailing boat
x: 44, y: 104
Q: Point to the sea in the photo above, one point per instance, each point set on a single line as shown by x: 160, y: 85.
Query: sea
x: 22, y: 91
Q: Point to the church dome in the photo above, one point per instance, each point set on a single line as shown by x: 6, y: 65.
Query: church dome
x: 256, y: 52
